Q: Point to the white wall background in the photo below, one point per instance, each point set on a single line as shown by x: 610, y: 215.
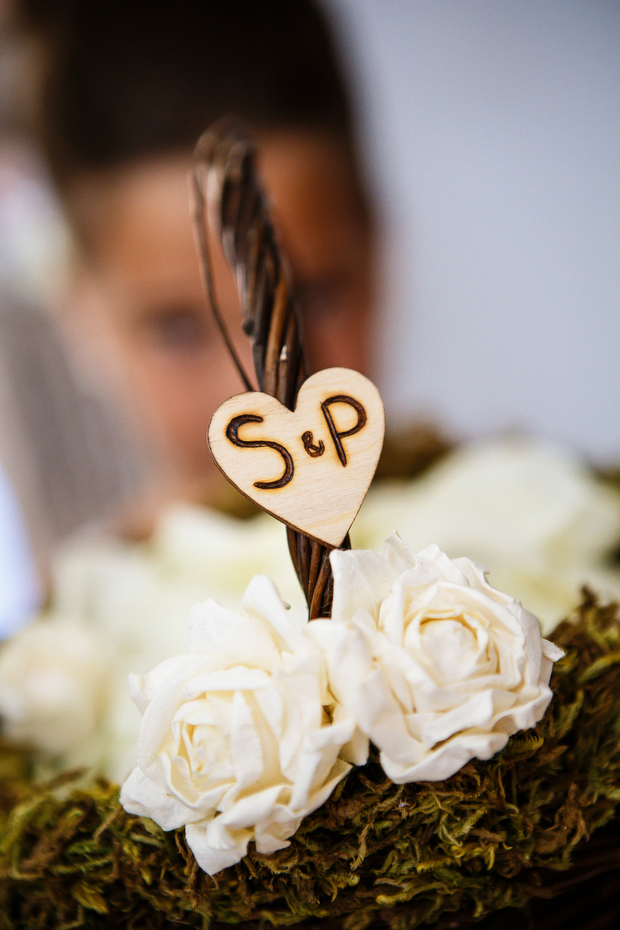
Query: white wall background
x: 493, y: 137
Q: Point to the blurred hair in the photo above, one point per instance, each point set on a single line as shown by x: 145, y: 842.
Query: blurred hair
x: 123, y: 80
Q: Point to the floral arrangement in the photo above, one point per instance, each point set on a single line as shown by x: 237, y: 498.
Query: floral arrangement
x: 127, y: 604
x: 252, y: 729
x: 391, y: 758
x: 376, y: 851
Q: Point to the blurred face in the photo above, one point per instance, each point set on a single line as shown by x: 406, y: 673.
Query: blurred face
x: 138, y: 293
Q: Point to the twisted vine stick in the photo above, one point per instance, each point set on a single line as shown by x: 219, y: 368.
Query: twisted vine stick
x: 230, y: 202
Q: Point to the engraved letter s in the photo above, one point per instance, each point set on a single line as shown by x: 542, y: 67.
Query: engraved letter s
x: 232, y: 434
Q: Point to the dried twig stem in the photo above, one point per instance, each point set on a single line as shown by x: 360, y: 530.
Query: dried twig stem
x: 230, y: 202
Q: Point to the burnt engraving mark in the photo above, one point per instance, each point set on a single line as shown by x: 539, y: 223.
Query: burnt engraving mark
x: 232, y: 434
x: 313, y: 450
x: 336, y: 436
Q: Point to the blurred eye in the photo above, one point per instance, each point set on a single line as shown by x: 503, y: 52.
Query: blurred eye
x: 176, y: 328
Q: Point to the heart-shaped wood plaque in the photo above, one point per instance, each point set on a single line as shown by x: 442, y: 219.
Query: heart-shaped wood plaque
x: 310, y: 467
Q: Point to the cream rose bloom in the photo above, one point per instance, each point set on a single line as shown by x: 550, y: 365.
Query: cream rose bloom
x: 435, y: 665
x: 238, y: 740
x: 52, y: 685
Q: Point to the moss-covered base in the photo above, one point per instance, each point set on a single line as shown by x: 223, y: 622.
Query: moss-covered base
x: 492, y: 836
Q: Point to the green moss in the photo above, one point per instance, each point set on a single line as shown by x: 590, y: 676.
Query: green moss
x: 390, y: 855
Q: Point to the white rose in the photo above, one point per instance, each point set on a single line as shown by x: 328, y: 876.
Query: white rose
x: 237, y: 741
x: 52, y: 685
x: 436, y: 666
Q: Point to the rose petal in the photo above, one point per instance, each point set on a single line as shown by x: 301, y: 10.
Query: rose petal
x: 444, y: 761
x: 359, y: 584
x: 215, y: 847
x: 262, y: 601
x: 229, y: 639
x: 245, y: 744
x: 146, y: 798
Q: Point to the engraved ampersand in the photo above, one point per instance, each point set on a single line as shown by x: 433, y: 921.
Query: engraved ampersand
x: 313, y: 450
x: 309, y: 467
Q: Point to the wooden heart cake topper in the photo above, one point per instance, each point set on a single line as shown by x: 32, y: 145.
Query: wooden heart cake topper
x: 309, y: 467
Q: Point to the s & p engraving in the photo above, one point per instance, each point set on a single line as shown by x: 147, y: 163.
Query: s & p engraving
x: 310, y: 467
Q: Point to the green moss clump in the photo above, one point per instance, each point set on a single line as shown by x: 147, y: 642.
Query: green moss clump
x: 492, y: 836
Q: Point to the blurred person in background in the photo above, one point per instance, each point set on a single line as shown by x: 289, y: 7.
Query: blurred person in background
x: 122, y: 94
x: 125, y: 92
x: 64, y: 456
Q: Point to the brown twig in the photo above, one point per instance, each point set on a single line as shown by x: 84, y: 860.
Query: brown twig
x: 230, y: 203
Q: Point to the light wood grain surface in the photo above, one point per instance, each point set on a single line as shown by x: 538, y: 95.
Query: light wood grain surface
x: 311, y: 467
